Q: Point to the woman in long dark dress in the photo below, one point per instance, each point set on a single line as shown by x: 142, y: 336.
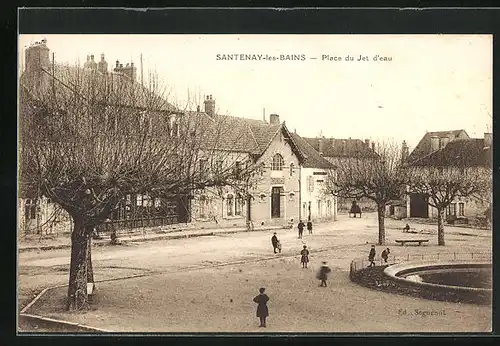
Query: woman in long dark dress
x: 262, y: 311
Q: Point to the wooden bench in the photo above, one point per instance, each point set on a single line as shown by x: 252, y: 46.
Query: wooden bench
x: 404, y: 241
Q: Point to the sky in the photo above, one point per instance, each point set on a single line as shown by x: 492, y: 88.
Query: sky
x: 431, y: 83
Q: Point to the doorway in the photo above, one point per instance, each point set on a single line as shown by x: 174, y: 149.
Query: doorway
x: 276, y: 202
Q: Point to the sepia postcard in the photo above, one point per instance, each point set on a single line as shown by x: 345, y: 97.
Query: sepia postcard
x: 233, y: 183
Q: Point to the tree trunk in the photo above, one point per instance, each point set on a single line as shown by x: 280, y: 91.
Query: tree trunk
x: 78, y: 274
x: 90, y: 270
x: 440, y: 227
x: 381, y: 223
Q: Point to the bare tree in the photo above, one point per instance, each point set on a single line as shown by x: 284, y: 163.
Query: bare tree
x: 89, y: 139
x: 379, y: 178
x: 442, y: 184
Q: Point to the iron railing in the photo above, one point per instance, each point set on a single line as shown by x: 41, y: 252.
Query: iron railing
x: 362, y: 263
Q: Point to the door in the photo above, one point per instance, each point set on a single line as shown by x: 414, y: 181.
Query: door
x: 419, y: 205
x: 276, y: 202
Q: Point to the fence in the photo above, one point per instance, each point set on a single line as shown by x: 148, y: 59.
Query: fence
x: 132, y: 224
x: 361, y: 263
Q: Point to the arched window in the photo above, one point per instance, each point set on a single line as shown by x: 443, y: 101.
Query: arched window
x: 292, y: 166
x: 277, y: 162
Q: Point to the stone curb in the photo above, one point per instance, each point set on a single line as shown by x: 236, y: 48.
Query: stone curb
x: 142, y: 239
x: 52, y: 321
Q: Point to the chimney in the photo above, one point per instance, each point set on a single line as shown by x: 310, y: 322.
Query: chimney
x: 209, y: 105
x: 198, y: 108
x: 434, y: 143
x: 102, y: 65
x: 367, y: 143
x: 343, y: 147
x: 321, y: 146
x: 373, y: 146
x: 117, y: 64
x: 488, y: 139
x: 274, y: 119
x: 404, y: 152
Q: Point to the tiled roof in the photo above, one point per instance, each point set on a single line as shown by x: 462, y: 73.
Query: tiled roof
x: 460, y: 153
x: 312, y: 157
x: 333, y: 147
x: 423, y: 148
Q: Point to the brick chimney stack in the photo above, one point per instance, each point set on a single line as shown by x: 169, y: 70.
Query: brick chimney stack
x: 274, y: 119
x: 209, y: 105
x: 488, y: 139
x: 434, y: 143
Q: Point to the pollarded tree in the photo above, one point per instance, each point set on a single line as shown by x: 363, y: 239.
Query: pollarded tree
x: 461, y: 169
x: 377, y: 177
x: 88, y: 139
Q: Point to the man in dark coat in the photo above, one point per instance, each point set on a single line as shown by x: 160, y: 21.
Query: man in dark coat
x: 301, y: 228
x: 275, y: 242
x: 406, y: 228
x: 310, y: 226
x: 385, y: 254
x: 304, y: 257
x: 371, y: 256
x: 323, y: 274
x: 262, y: 311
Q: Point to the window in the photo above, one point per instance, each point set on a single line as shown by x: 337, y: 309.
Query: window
x: 461, y: 209
x: 310, y: 183
x: 319, y: 209
x: 291, y: 168
x: 139, y: 200
x: 230, y: 205
x: 452, y: 211
x: 203, y: 207
x: 237, y: 169
x: 30, y: 209
x: 238, y: 202
x: 277, y: 163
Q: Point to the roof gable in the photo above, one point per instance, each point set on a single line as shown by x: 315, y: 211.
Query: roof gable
x: 423, y: 148
x: 459, y: 153
x: 334, y: 147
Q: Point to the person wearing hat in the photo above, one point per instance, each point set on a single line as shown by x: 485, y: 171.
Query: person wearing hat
x: 300, y: 226
x: 262, y: 310
x: 323, y: 274
x: 371, y: 256
x: 276, y: 243
x: 304, y: 257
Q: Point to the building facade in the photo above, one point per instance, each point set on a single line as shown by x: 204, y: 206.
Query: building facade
x: 454, y: 151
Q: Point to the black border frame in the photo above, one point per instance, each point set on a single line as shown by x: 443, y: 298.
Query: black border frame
x: 256, y: 21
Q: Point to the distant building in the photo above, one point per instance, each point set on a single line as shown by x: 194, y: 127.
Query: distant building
x: 340, y: 151
x: 316, y: 203
x: 451, y: 150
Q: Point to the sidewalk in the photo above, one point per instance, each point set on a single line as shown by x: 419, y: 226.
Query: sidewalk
x: 64, y: 241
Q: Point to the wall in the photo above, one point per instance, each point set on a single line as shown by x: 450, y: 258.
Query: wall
x: 261, y: 193
x: 317, y: 194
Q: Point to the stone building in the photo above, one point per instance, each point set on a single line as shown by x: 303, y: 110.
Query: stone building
x: 451, y: 150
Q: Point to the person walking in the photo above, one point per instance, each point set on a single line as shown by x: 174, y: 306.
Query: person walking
x: 276, y: 243
x: 262, y: 310
x: 301, y: 228
x: 304, y: 257
x: 385, y: 254
x: 371, y: 256
x: 310, y: 226
x: 323, y: 274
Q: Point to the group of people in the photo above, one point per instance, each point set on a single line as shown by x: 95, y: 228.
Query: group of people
x: 301, y: 226
x: 371, y: 255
